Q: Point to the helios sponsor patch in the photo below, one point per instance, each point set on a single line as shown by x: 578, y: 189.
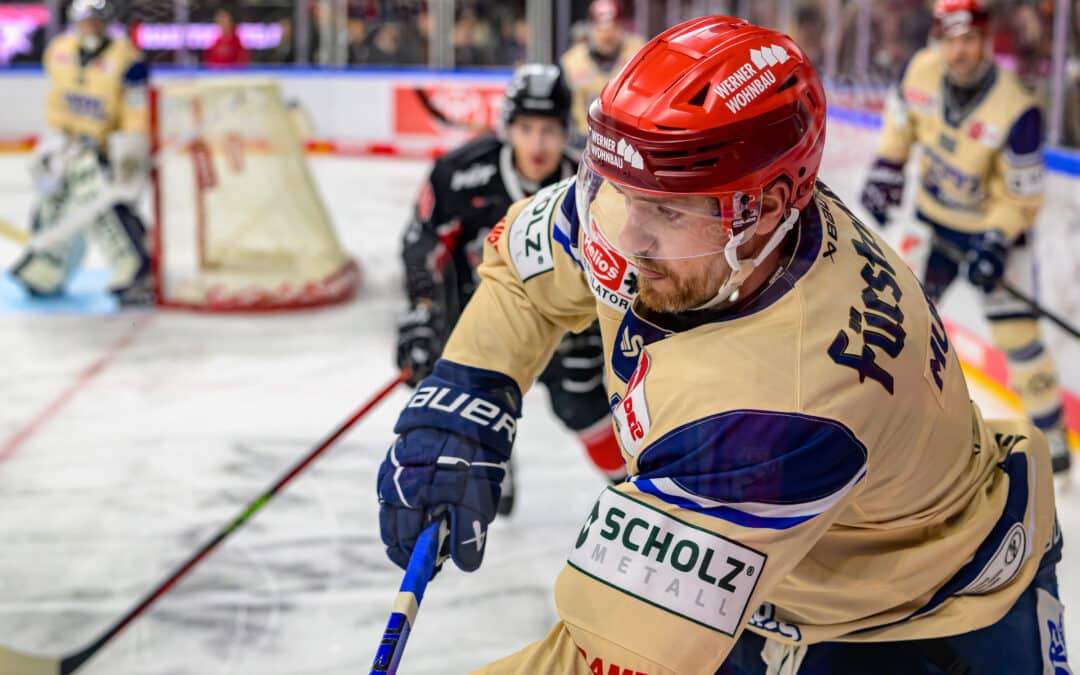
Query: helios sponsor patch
x: 666, y: 562
x: 612, y: 278
x: 529, y: 238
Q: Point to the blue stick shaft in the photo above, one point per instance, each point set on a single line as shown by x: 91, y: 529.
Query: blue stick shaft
x: 417, y: 574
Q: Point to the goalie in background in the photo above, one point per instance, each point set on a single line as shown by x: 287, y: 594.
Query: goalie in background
x: 460, y: 205
x: 96, y: 143
x: 980, y: 190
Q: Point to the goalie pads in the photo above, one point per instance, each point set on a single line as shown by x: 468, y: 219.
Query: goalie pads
x: 115, y: 228
x: 129, y: 161
x: 48, y: 164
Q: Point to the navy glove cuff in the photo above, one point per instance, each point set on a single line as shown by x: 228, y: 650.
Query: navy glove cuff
x: 478, y: 404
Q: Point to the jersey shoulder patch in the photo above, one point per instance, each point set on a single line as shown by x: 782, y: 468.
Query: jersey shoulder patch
x: 529, y: 238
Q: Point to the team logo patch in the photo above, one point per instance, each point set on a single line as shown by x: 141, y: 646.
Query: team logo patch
x: 669, y: 563
x: 918, y: 98
x: 631, y: 414
x: 1003, y: 566
x: 987, y: 134
x: 529, y: 238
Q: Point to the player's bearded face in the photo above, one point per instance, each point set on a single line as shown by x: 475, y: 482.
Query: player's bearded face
x: 666, y: 242
x: 964, y: 56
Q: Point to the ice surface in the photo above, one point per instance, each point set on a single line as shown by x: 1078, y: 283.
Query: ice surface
x: 193, y: 416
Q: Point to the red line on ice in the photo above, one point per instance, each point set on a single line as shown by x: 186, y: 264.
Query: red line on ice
x: 81, y: 380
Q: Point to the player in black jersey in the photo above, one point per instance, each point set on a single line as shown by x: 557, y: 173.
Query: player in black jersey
x: 467, y: 193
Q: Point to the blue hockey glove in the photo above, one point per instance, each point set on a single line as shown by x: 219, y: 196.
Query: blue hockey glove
x: 986, y: 260
x: 884, y: 189
x: 454, y: 442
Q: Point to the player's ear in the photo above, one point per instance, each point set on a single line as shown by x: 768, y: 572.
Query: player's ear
x: 774, y: 206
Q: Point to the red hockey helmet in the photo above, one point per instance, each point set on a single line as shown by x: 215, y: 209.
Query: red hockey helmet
x: 957, y: 17
x: 713, y: 107
x: 605, y: 11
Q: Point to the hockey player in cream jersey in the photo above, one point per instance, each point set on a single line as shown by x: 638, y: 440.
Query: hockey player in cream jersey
x: 95, y: 151
x: 811, y: 489
x: 980, y: 189
x: 589, y: 65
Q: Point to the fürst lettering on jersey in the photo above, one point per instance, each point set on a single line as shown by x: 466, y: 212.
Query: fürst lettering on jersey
x: 876, y: 316
x: 666, y: 562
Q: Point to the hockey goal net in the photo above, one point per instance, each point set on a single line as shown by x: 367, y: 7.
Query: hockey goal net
x: 240, y: 225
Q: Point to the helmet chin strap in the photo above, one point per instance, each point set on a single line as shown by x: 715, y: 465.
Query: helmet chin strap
x: 742, y: 269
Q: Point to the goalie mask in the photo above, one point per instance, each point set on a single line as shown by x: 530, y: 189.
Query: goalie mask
x: 685, y: 140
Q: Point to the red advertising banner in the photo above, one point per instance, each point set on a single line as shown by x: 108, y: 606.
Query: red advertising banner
x: 446, y: 108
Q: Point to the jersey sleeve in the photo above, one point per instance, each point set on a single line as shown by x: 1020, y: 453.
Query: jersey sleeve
x: 1016, y: 182
x: 669, y: 568
x: 134, y: 114
x: 55, y: 117
x: 898, y: 124
x: 430, y: 239
x: 532, y: 291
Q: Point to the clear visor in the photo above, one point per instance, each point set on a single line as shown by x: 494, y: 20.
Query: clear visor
x: 643, y: 225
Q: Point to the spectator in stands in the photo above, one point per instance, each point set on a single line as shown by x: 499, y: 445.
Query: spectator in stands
x: 474, y: 40
x: 513, y: 40
x: 357, y: 32
x: 226, y: 50
x: 392, y: 43
x: 809, y: 32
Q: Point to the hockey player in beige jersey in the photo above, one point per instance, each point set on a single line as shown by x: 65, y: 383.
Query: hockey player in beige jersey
x: 979, y: 191
x: 811, y: 489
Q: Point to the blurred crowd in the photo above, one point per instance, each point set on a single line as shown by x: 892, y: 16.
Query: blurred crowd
x: 494, y: 33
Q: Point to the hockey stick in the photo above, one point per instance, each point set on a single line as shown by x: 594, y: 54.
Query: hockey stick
x: 15, y: 663
x: 417, y: 575
x: 955, y: 254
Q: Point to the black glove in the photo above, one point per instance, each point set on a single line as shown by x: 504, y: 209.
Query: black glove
x: 455, y: 437
x: 986, y: 260
x: 580, y: 358
x: 418, y: 342
x: 884, y: 189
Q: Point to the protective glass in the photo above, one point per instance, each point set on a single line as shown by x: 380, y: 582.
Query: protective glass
x: 638, y: 224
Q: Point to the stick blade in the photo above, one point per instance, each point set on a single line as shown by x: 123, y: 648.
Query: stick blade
x: 16, y: 663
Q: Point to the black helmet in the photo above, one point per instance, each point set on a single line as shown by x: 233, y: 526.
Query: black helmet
x: 537, y: 89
